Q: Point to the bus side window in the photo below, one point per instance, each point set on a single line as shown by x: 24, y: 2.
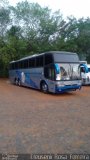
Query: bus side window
x: 39, y: 61
x: 32, y: 63
x: 82, y: 69
x: 48, y: 59
x: 49, y: 72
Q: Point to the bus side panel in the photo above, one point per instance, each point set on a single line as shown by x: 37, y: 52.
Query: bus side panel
x: 36, y: 75
x: 28, y: 77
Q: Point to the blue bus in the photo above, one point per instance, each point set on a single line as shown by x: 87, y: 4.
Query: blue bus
x: 53, y: 71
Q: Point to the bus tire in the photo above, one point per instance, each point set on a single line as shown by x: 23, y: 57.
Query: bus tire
x: 19, y: 82
x: 16, y: 81
x: 44, y: 87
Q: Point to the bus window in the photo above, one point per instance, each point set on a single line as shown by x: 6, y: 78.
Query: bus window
x: 49, y: 72
x: 21, y: 64
x: 16, y: 65
x: 48, y: 59
x: 32, y: 63
x: 25, y: 63
x: 82, y: 69
x: 39, y: 61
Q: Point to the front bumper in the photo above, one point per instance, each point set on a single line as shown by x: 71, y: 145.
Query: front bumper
x: 66, y: 88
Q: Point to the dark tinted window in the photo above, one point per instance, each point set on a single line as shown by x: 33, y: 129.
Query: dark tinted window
x: 49, y: 72
x: 39, y: 61
x: 31, y: 62
x: 48, y: 59
x: 25, y: 63
x: 16, y: 65
x: 21, y: 64
x: 82, y: 69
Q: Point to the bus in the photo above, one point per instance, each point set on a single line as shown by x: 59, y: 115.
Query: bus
x: 85, y: 72
x: 53, y: 71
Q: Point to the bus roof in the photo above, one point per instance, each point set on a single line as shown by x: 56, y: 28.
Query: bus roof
x: 63, y: 55
x: 60, y: 52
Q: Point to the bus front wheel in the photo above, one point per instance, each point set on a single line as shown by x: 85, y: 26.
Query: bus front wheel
x: 44, y: 87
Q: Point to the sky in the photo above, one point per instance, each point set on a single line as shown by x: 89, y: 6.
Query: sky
x: 76, y: 8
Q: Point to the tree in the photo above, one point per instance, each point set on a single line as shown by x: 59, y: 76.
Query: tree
x: 4, y: 20
x: 83, y: 39
x: 40, y: 27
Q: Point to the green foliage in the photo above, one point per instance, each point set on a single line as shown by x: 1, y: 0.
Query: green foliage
x: 4, y: 20
x: 29, y: 28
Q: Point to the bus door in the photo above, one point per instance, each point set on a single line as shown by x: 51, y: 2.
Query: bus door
x: 49, y: 74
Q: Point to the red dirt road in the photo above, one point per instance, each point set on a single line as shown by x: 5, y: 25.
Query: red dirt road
x: 33, y: 122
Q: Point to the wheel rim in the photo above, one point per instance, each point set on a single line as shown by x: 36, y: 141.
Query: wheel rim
x: 44, y: 87
x: 19, y: 83
x: 16, y: 82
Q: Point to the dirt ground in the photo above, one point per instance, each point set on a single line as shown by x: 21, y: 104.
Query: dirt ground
x: 34, y: 122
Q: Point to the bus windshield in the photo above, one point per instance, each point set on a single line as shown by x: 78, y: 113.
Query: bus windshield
x: 69, y: 71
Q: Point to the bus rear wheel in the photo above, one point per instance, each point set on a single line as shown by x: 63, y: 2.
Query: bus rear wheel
x: 44, y: 87
x: 19, y: 82
x: 16, y: 81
